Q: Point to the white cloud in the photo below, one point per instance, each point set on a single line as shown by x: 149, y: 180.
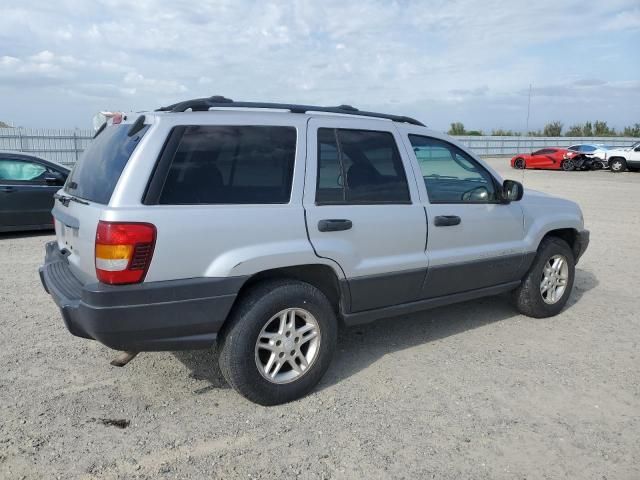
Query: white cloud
x: 429, y: 60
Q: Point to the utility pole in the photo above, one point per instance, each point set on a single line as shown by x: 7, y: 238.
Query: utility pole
x: 528, y: 110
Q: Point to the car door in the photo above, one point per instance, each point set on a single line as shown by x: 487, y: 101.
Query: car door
x: 634, y: 157
x: 475, y: 241
x: 26, y: 193
x: 363, y: 210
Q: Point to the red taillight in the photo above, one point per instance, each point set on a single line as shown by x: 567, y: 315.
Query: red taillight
x: 123, y: 251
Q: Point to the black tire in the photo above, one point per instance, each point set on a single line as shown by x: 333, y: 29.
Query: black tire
x: 527, y: 297
x: 519, y: 163
x: 250, y: 315
x: 567, y: 165
x: 617, y: 165
x: 597, y: 165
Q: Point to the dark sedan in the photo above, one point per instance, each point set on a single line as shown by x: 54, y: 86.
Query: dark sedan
x: 27, y: 186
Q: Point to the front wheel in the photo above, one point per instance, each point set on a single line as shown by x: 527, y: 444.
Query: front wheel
x: 545, y: 289
x: 519, y: 163
x: 279, y: 342
x: 618, y: 165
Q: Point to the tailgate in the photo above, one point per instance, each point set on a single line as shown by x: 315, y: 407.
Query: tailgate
x: 76, y: 226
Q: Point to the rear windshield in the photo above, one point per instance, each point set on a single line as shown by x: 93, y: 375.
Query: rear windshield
x: 95, y: 175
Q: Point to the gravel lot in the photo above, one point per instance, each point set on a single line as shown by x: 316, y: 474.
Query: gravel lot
x: 468, y: 391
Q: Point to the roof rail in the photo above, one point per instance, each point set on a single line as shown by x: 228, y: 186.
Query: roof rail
x: 217, y: 101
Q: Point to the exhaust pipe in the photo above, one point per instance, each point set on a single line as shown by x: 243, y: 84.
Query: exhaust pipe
x: 124, y: 358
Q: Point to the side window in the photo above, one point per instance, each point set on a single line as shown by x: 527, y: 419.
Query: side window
x: 231, y: 165
x: 588, y: 148
x: 21, y: 171
x: 359, y: 167
x: 450, y: 175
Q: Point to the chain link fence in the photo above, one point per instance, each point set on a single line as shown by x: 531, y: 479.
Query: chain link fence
x: 66, y: 145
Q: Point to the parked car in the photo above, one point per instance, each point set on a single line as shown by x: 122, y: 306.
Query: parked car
x: 627, y: 158
x: 596, y: 154
x: 263, y: 230
x: 27, y: 186
x: 550, y: 158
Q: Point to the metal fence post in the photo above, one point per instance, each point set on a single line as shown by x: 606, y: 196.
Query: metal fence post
x: 20, y: 138
x: 75, y: 144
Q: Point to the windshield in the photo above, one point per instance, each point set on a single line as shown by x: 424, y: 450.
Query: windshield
x: 96, y: 174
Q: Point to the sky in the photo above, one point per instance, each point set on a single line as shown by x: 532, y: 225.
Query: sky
x: 438, y: 61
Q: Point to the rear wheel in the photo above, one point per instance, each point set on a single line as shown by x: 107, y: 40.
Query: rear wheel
x: 279, y: 342
x: 519, y: 163
x: 545, y: 289
x: 597, y: 165
x: 567, y: 165
x: 618, y: 165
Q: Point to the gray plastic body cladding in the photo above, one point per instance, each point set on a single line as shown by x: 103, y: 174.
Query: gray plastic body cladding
x: 376, y: 291
x: 380, y: 296
x: 476, y: 274
x: 168, y: 315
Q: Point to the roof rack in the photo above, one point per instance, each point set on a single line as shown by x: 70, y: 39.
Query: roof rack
x: 217, y: 101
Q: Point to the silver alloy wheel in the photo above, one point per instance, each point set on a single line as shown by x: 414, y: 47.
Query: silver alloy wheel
x: 555, y: 276
x: 616, y: 165
x: 288, y: 345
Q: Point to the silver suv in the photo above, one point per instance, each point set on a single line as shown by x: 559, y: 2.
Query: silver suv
x: 262, y: 227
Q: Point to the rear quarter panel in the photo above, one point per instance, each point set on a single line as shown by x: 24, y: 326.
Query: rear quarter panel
x: 217, y: 240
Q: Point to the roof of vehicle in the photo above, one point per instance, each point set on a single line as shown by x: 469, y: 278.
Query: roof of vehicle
x: 220, y: 102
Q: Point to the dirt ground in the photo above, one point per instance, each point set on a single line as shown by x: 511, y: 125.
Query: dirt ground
x: 467, y: 391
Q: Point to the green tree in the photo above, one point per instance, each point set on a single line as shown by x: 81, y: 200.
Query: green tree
x: 574, y: 131
x: 601, y: 129
x: 457, y: 128
x: 475, y: 133
x: 587, y: 130
x: 633, y: 131
x: 4, y: 125
x: 553, y: 129
x: 499, y: 132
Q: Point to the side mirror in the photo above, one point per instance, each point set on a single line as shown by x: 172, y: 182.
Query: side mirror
x: 512, y: 191
x: 54, y: 178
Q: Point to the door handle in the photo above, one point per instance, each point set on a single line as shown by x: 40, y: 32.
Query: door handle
x: 446, y: 220
x: 7, y: 189
x: 334, y: 225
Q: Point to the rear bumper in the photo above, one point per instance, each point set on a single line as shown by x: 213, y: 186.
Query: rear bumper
x: 168, y: 315
x: 581, y: 243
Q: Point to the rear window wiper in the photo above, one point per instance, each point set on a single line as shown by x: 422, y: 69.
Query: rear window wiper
x: 65, y: 199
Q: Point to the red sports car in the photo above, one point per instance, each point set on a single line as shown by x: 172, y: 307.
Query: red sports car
x: 552, y: 158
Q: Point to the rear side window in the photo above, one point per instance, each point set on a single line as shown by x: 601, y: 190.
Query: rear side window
x: 96, y: 174
x: 359, y: 167
x: 231, y: 165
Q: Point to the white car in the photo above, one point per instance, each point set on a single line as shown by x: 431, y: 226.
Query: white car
x: 625, y: 158
x: 597, y: 153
